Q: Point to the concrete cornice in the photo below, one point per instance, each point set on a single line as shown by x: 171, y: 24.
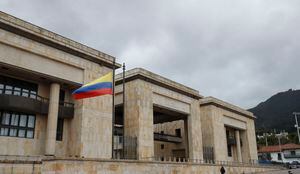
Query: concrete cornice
x: 46, y: 37
x: 139, y: 73
x: 227, y: 106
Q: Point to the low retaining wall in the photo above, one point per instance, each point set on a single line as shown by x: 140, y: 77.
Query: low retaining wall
x: 96, y: 166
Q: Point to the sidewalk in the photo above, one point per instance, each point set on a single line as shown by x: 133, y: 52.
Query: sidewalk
x: 286, y: 171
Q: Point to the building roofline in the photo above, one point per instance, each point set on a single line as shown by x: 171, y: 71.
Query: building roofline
x: 227, y: 106
x: 278, y: 148
x: 140, y: 73
x: 46, y: 37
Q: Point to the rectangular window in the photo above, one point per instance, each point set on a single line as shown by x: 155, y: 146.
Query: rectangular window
x: 17, y: 91
x: 5, y: 118
x: 33, y: 94
x: 121, y: 139
x: 25, y: 92
x: 17, y: 125
x: 29, y: 134
x: 4, y: 132
x: 23, y: 120
x: 178, y: 132
x: 293, y: 152
x: 14, y: 120
x: 59, y: 130
x: 229, y: 150
x: 1, y: 88
x: 8, y: 89
x: 21, y: 133
x: 279, y: 156
x: 11, y: 86
x: 31, y: 121
x: 12, y: 132
x: 162, y: 146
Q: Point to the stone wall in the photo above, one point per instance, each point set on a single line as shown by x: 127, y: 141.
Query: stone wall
x: 13, y: 168
x: 25, y: 146
x: 88, y: 134
x: 92, y: 166
x: 213, y: 121
x: 141, y: 96
x: 169, y: 128
x: 139, y: 117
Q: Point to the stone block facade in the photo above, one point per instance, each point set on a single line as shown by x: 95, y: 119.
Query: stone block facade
x: 33, y: 54
x: 217, y: 117
x: 167, y: 119
x: 145, y: 91
x: 92, y: 166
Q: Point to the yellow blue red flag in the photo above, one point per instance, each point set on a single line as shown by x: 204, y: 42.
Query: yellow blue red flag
x: 98, y: 87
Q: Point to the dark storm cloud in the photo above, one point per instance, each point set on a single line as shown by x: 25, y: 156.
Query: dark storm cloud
x: 239, y: 51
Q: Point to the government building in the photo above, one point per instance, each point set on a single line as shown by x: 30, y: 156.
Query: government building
x: 160, y: 126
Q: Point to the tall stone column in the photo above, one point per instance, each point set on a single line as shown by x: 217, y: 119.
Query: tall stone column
x: 52, y: 119
x: 195, y: 132
x: 238, y: 146
x: 139, y: 117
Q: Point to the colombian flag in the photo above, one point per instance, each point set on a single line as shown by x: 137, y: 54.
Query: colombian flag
x: 98, y: 87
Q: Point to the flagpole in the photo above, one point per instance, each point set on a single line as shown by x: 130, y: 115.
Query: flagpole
x: 113, y: 109
x: 123, y: 119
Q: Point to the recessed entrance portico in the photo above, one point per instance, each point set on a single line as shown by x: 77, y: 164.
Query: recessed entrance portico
x: 170, y: 134
x: 152, y: 101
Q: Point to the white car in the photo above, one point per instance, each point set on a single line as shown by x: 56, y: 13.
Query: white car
x: 294, y: 165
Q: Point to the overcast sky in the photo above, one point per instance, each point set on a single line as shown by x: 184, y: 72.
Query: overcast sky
x: 241, y: 51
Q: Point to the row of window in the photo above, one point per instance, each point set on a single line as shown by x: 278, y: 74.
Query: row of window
x: 12, y: 86
x: 14, y: 90
x: 22, y: 125
x: 17, y: 125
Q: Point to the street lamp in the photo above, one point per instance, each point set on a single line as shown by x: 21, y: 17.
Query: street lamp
x: 297, y: 125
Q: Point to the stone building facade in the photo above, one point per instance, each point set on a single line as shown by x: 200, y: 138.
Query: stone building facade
x: 39, y: 69
x: 184, y: 124
x: 152, y: 100
x: 164, y: 120
x: 229, y: 130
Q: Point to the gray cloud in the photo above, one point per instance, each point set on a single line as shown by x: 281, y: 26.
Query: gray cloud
x: 239, y: 51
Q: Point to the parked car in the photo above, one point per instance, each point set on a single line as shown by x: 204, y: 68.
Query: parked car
x: 294, y: 165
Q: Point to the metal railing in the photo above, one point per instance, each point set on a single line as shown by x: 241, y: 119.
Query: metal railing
x: 231, y: 141
x: 130, y: 147
x: 34, y: 96
x: 174, y: 160
x: 207, y: 162
x: 167, y: 137
x: 208, y: 153
x: 66, y: 104
x: 26, y: 94
x: 29, y: 101
x: 31, y: 95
